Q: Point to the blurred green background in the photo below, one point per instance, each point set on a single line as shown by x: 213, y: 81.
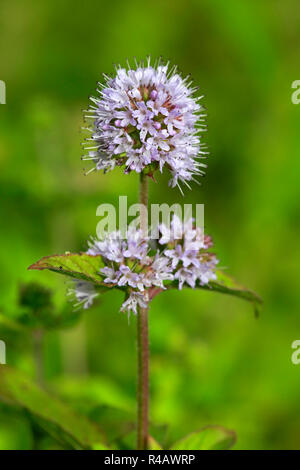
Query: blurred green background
x: 212, y: 362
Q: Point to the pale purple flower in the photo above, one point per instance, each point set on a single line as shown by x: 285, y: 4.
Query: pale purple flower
x: 142, y: 112
x: 161, y: 270
x: 125, y: 118
x: 176, y: 230
x: 186, y: 247
x: 147, y: 109
x: 84, y: 292
x: 112, y: 276
x: 187, y: 257
x: 184, y: 275
x: 136, y: 250
x: 130, y: 278
x: 206, y: 271
x: 111, y: 247
x: 181, y: 256
x: 134, y: 301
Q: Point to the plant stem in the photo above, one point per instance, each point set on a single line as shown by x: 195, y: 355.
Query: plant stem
x: 143, y: 342
x: 143, y: 379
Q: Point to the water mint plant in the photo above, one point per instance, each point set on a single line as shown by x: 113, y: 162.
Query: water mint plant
x: 145, y: 120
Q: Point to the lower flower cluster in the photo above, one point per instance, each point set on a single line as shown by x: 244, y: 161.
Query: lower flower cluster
x: 139, y: 267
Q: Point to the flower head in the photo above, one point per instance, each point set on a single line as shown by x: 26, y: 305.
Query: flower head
x: 186, y: 247
x: 134, y: 300
x: 133, y: 266
x: 84, y: 292
x: 146, y: 119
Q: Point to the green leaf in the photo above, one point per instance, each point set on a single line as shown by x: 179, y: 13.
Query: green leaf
x: 52, y: 414
x: 96, y: 390
x: 207, y: 438
x: 153, y: 444
x: 226, y: 285
x: 79, y: 266
x: 87, y: 267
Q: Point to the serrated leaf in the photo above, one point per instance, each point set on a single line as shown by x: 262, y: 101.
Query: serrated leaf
x: 87, y: 267
x: 207, y: 438
x: 225, y: 285
x: 52, y: 414
x: 79, y: 266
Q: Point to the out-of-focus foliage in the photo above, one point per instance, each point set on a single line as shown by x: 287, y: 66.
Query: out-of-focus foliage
x: 211, y: 362
x: 209, y: 438
x: 39, y: 312
x: 56, y: 418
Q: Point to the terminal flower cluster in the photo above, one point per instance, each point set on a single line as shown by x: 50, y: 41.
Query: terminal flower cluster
x: 147, y: 119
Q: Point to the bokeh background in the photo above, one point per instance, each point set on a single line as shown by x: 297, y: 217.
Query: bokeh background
x: 212, y: 362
